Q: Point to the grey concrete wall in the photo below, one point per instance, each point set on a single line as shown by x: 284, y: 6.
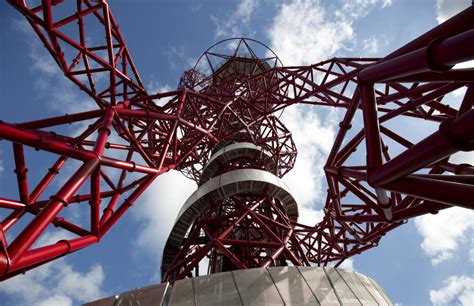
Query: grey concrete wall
x: 271, y: 286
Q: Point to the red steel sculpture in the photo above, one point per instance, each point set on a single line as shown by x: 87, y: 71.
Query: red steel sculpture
x: 222, y: 128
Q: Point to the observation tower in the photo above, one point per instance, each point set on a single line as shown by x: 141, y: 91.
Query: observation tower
x: 241, y: 215
x: 222, y: 128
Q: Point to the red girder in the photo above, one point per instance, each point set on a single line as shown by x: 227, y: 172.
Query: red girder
x: 80, y: 61
x: 137, y: 140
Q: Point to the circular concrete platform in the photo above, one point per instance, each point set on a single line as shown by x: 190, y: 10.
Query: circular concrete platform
x: 270, y: 286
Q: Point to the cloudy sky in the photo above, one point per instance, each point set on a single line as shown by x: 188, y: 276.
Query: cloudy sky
x: 429, y: 260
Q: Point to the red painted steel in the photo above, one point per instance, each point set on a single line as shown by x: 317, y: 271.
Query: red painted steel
x: 139, y: 138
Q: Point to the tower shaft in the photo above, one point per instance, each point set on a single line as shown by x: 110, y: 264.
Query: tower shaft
x: 378, y: 175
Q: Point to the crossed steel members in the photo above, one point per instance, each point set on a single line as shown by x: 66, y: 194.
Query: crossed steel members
x: 141, y: 139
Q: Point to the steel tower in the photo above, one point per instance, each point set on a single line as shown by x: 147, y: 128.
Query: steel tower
x: 222, y: 128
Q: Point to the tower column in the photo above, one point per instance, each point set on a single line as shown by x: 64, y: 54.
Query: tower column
x: 240, y: 217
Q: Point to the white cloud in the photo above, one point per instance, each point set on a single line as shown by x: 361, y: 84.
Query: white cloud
x: 464, y: 65
x: 348, y: 264
x: 233, y: 25
x: 63, y: 97
x: 245, y: 9
x: 56, y: 95
x: 387, y: 3
x: 446, y: 9
x: 370, y: 45
x: 56, y: 300
x: 442, y: 233
x: 178, y: 58
x: 462, y: 158
x: 302, y: 33
x: 52, y: 236
x: 308, y: 130
x: 360, y: 8
x: 156, y: 87
x: 196, y: 6
x: 158, y: 209
x: 52, y: 85
x: 458, y: 290
x: 305, y: 32
x: 471, y: 252
x: 56, y: 283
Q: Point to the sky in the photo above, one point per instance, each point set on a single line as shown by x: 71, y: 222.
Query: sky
x: 428, y: 261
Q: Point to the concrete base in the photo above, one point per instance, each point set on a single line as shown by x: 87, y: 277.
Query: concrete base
x: 272, y: 286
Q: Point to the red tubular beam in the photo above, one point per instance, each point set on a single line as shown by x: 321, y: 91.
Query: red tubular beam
x: 440, y: 92
x: 132, y: 167
x: 443, y: 192
x: 468, y: 100
x: 95, y: 201
x: 437, y: 56
x: 46, y: 253
x: 39, y: 124
x: 182, y: 261
x: 75, y: 199
x: 134, y: 143
x: 110, y: 50
x: 371, y: 128
x: 418, y: 210
x: 141, y: 114
x: 457, y: 75
x: 86, y: 52
x: 447, y: 192
x: 457, y: 24
x: 345, y: 125
x: 171, y: 133
x: 77, y: 230
x: 453, y: 50
x: 36, y: 141
x: 462, y: 179
x: 294, y: 259
x: 109, y: 210
x: 20, y: 170
x: 12, y: 218
x: 272, y: 257
x: 76, y: 16
x: 126, y: 204
x: 361, y: 218
x: 104, y: 132
x: 250, y: 243
x: 199, y: 129
x: 457, y: 169
x: 201, y: 253
x: 93, y: 56
x: 46, y: 180
x: 452, y: 137
x: 7, y: 203
x: 181, y: 133
x: 31, y: 233
x: 349, y: 148
x: 235, y: 260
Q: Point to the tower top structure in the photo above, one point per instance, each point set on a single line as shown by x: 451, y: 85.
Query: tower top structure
x: 232, y: 107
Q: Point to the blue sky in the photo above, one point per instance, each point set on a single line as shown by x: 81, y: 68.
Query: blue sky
x: 427, y: 261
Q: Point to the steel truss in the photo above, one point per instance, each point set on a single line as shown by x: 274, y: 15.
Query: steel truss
x: 131, y: 139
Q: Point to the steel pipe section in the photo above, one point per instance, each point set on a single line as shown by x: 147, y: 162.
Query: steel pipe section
x: 236, y: 151
x: 236, y: 182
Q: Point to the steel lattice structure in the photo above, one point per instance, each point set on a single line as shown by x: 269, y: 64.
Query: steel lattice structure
x: 132, y: 137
